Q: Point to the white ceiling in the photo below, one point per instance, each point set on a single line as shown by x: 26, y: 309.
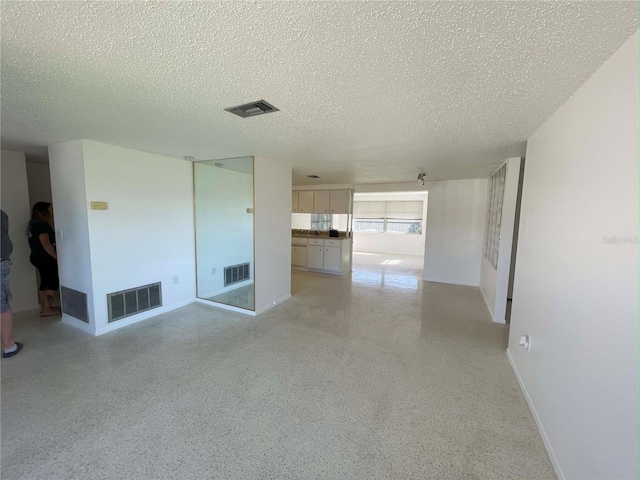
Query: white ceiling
x: 368, y: 92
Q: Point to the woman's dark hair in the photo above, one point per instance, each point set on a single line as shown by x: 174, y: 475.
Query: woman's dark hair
x: 40, y: 211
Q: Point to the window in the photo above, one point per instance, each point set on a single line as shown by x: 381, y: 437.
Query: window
x: 494, y: 216
x: 320, y: 222
x: 388, y: 217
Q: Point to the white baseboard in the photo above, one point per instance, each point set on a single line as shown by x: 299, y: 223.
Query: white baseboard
x: 226, y: 307
x: 242, y: 310
x: 227, y: 289
x: 271, y: 305
x: 437, y: 280
x: 140, y: 317
x: 486, y: 302
x: 536, y: 417
x: 79, y: 324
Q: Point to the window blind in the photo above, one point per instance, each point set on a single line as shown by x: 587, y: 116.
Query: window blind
x: 407, y: 210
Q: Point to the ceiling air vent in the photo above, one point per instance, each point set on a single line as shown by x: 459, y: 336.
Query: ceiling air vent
x: 252, y: 109
x: 313, y: 176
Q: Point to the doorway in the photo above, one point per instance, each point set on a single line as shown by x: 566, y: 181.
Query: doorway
x: 389, y: 231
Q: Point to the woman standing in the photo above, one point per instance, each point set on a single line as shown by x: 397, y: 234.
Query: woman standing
x: 42, y: 240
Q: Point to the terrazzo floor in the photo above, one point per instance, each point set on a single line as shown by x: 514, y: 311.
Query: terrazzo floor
x: 242, y: 297
x: 377, y: 375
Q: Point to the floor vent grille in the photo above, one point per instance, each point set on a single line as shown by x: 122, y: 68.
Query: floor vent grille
x: 236, y: 273
x: 135, y: 300
x: 74, y: 303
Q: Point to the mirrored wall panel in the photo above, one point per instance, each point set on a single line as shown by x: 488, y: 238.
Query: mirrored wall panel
x: 223, y: 191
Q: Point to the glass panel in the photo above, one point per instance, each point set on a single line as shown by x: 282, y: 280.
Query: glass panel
x: 321, y: 221
x: 404, y: 226
x: 494, y: 216
x: 223, y: 193
x: 368, y: 224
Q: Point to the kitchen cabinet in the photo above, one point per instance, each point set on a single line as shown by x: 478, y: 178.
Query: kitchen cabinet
x: 299, y: 255
x: 325, y: 255
x: 305, y: 201
x: 315, y: 257
x: 321, y: 201
x: 332, y: 259
x: 339, y: 201
x: 302, y: 201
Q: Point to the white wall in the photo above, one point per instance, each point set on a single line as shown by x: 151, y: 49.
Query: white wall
x: 72, y: 225
x: 410, y: 244
x: 146, y: 235
x: 575, y: 294
x: 272, y: 183
x: 224, y: 228
x: 454, y: 231
x: 39, y: 180
x: 391, y: 187
x: 494, y: 283
x: 15, y: 202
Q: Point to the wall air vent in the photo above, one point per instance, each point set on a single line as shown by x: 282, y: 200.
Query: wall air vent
x: 252, y: 109
x: 313, y: 176
x: 236, y: 273
x: 135, y: 300
x: 74, y: 303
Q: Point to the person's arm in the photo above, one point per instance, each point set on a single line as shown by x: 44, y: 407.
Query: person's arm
x: 46, y: 244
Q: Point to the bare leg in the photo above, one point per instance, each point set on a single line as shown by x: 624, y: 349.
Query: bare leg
x: 47, y: 306
x: 6, y: 324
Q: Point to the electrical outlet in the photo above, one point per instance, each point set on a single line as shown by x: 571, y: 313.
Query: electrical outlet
x: 525, y: 341
x: 175, y: 279
x: 213, y: 271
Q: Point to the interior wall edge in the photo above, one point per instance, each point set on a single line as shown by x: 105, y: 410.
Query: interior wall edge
x: 536, y: 418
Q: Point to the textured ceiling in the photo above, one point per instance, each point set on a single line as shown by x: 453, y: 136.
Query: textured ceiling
x: 368, y: 92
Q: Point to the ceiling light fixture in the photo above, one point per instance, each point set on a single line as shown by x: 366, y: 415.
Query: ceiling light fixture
x: 421, y: 178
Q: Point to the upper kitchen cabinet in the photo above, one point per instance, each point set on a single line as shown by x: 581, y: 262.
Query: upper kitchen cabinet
x: 321, y: 201
x: 305, y: 202
x: 339, y: 201
x: 302, y: 201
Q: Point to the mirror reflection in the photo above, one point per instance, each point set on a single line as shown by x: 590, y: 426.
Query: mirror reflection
x: 223, y: 195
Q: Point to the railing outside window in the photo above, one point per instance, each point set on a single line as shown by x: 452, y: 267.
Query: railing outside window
x: 402, y: 217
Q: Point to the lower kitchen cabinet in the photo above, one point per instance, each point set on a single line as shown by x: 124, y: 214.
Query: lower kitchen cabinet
x: 328, y: 255
x: 298, y: 256
x: 315, y: 257
x: 332, y: 259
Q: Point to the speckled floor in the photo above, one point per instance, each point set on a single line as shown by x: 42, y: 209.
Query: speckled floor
x: 242, y: 297
x: 350, y: 379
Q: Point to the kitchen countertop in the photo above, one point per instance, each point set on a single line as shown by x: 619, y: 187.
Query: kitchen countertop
x: 323, y: 235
